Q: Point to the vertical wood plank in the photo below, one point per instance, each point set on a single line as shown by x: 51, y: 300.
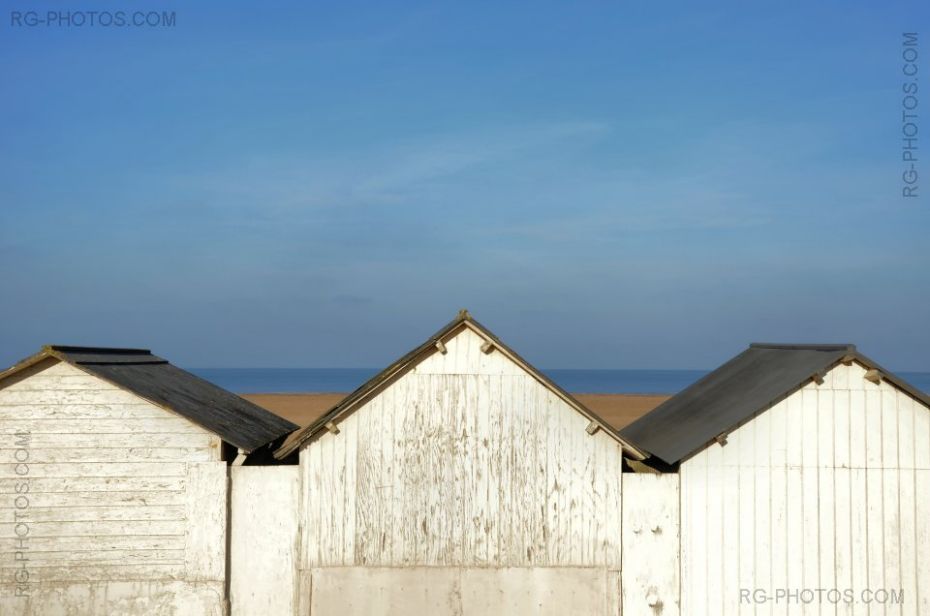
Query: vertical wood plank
x: 729, y: 540
x: 399, y: 435
x: 553, y: 481
x: 476, y: 429
x: 540, y: 423
x: 714, y: 527
x: 441, y: 492
x: 700, y: 569
x: 875, y: 526
x: 921, y: 436
x: 328, y: 505
x: 564, y: 458
x: 826, y: 509
x: 686, y: 552
x: 314, y: 526
x: 456, y: 458
x: 507, y: 492
x: 843, y: 557
x: 205, y: 553
x: 907, y: 503
x: 778, y: 473
x: 811, y: 501
x: 614, y: 503
x: 746, y: 526
x: 922, y: 507
x: 841, y: 427
x: 385, y: 479
x: 496, y: 472
x: 578, y: 481
x: 794, y: 494
x: 859, y: 503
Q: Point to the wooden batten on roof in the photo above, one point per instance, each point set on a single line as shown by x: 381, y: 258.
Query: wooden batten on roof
x: 437, y: 344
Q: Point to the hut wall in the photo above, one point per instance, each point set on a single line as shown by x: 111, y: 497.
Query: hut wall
x: 263, y: 540
x: 465, y: 462
x: 108, y: 504
x: 829, y: 489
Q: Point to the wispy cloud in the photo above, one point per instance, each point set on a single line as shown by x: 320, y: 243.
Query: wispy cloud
x: 383, y: 174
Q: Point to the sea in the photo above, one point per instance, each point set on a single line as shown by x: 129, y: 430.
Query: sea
x: 340, y: 380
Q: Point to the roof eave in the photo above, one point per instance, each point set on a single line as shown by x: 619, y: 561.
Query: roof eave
x: 28, y: 362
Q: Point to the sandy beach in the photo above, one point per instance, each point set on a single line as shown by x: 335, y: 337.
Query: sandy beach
x: 617, y: 409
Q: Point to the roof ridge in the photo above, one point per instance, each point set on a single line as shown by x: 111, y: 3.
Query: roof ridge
x: 151, y: 362
x: 65, y: 348
x: 804, y: 346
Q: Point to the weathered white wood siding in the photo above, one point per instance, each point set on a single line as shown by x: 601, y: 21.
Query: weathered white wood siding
x: 465, y: 461
x: 263, y: 540
x: 651, y: 542
x: 829, y: 489
x: 113, y: 502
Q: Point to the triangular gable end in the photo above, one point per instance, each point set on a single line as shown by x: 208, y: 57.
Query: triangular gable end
x: 463, y: 346
x: 747, y: 386
x: 74, y: 378
x: 156, y: 381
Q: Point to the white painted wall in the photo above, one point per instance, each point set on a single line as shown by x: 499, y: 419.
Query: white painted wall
x: 464, y: 464
x: 828, y: 489
x: 651, y: 543
x: 263, y: 540
x: 126, y: 505
x: 466, y: 461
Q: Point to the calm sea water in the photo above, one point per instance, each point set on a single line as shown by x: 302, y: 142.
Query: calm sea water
x: 281, y: 380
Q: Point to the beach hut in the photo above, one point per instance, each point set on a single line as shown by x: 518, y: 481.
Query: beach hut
x: 804, y: 484
x: 114, y: 483
x: 459, y: 480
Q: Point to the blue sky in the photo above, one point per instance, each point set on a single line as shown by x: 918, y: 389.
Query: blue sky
x: 604, y: 185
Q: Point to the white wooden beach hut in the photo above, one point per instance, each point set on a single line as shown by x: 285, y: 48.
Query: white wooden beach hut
x: 113, y: 483
x: 804, y: 484
x: 460, y: 480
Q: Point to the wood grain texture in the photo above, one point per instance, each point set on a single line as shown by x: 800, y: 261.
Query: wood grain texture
x: 467, y: 460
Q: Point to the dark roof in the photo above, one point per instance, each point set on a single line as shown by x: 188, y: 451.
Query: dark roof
x: 735, y: 392
x: 236, y: 420
x: 411, y: 359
